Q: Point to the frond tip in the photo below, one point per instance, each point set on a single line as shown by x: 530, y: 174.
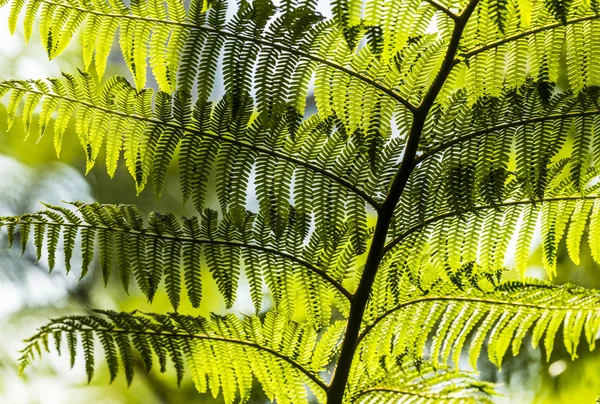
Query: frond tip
x: 223, y: 353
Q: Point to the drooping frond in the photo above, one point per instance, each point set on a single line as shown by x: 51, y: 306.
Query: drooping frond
x: 487, y: 173
x: 483, y: 234
x: 147, y: 30
x: 528, y: 41
x: 291, y: 160
x: 115, y: 109
x: 449, y: 311
x: 222, y: 353
x: 176, y: 251
x: 283, y: 47
x: 396, y: 382
x: 469, y: 154
x: 278, y: 50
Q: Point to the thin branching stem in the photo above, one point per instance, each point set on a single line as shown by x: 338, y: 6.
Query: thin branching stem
x: 337, y: 387
x: 496, y: 128
x: 443, y: 9
x: 520, y: 35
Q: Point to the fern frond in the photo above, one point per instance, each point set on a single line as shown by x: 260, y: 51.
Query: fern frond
x: 163, y: 247
x: 444, y: 116
x: 396, y: 381
x: 488, y: 229
x: 226, y: 137
x: 499, y: 314
x: 161, y: 34
x: 223, y: 353
x: 530, y: 44
x: 488, y: 131
x: 468, y: 191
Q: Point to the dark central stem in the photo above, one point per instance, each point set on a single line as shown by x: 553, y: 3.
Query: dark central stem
x: 335, y: 392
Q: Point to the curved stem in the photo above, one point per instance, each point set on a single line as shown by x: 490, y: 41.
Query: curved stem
x: 335, y: 393
x: 442, y: 8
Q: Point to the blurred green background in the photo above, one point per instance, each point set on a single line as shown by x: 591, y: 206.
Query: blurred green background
x: 31, y: 173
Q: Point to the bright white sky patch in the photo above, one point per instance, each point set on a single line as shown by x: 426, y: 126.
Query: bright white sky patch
x: 19, y: 61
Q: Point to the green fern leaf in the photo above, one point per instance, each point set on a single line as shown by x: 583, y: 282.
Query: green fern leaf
x: 223, y: 336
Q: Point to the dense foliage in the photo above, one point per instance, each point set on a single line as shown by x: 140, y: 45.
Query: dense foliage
x: 440, y: 122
